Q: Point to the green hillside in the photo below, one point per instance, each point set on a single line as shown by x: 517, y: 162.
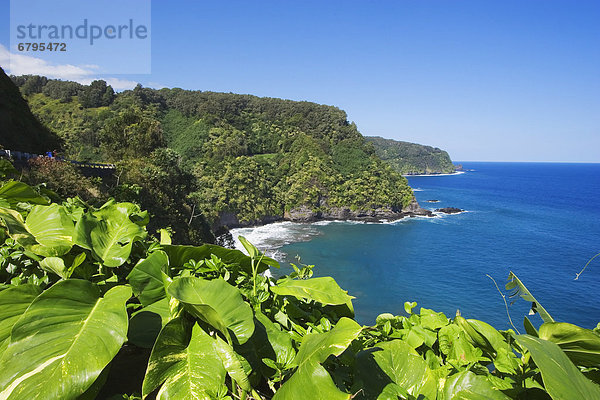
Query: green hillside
x: 226, y: 158
x: 411, y: 158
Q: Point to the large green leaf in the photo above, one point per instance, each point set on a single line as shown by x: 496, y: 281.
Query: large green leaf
x: 231, y: 363
x: 16, y: 192
x: 582, y: 346
x: 394, y: 363
x: 63, y: 341
x: 280, y: 342
x: 55, y: 265
x: 47, y: 230
x: 146, y: 324
x: 184, y: 363
x: 148, y: 278
x: 179, y: 255
x: 311, y: 380
x: 561, y: 378
x: 455, y: 345
x: 505, y: 360
x: 519, y: 289
x: 468, y: 386
x: 325, y: 290
x: 318, y: 346
x: 13, y: 303
x: 432, y: 320
x: 110, y: 232
x: 217, y: 303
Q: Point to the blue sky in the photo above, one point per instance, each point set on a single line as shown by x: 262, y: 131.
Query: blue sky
x: 484, y: 80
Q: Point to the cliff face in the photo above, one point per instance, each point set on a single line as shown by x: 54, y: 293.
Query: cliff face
x: 19, y: 129
x: 411, y: 158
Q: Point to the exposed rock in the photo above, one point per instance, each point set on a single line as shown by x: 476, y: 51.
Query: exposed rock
x: 306, y: 214
x: 230, y: 220
x: 301, y: 214
x: 449, y: 210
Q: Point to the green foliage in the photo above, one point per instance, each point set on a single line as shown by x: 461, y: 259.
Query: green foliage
x: 130, y: 133
x: 515, y: 284
x: 561, y: 377
x: 64, y: 179
x: 53, y: 350
x: 219, y: 329
x: 185, y: 364
x: 96, y: 94
x: 411, y: 158
x: 252, y: 158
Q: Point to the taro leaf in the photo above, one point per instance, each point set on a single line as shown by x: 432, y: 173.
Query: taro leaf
x: 148, y: 278
x: 520, y: 290
x: 280, y: 342
x: 316, y: 347
x: 217, y: 303
x: 231, y: 363
x: 493, y: 337
x: 424, y: 336
x: 55, y: 265
x: 562, y: 379
x: 468, y: 386
x: 16, y: 192
x: 581, y: 345
x: 13, y: 303
x: 47, y: 230
x: 455, y: 345
x: 394, y: 363
x: 311, y: 380
x: 433, y: 320
x: 145, y: 324
x: 110, y: 232
x: 63, y: 341
x: 179, y: 255
x: 324, y: 290
x: 505, y: 360
x: 250, y: 248
x: 185, y: 363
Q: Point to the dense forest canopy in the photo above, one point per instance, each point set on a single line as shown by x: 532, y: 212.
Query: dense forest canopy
x: 411, y: 158
x: 222, y: 157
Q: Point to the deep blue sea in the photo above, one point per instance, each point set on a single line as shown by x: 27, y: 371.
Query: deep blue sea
x: 539, y: 220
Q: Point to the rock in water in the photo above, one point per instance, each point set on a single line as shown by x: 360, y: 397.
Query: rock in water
x: 449, y: 210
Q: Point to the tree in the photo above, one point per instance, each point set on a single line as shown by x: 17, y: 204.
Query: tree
x: 97, y: 94
x: 132, y: 133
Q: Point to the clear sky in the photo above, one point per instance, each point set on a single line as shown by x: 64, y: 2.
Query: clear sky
x: 485, y: 80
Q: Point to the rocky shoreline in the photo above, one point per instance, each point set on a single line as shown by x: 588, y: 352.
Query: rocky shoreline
x: 306, y: 214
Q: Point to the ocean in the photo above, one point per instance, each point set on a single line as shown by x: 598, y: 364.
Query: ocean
x: 539, y: 220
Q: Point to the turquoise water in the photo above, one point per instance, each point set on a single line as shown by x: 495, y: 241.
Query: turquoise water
x: 540, y: 220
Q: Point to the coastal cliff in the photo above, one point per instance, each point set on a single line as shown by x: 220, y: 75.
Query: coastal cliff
x: 412, y: 158
x: 196, y: 159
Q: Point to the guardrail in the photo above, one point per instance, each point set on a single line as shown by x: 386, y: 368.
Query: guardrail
x: 21, y: 156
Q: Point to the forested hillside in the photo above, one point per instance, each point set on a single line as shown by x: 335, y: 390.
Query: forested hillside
x: 411, y: 158
x: 227, y: 159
